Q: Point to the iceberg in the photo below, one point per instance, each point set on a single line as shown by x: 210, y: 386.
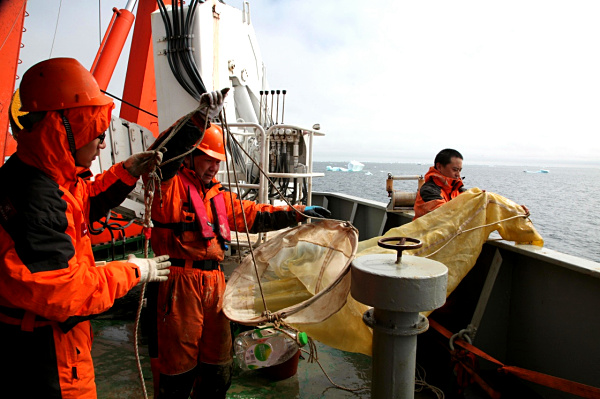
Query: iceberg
x: 355, y: 166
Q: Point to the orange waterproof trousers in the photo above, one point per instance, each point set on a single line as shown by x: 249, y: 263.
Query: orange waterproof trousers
x: 191, y: 325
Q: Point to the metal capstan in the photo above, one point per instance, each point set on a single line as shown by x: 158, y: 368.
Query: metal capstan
x: 398, y: 288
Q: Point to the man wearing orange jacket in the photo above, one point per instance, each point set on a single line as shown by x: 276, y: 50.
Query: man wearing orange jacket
x: 49, y: 284
x: 442, y: 182
x: 192, y: 223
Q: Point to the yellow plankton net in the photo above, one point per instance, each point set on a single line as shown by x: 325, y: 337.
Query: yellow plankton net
x: 304, y: 276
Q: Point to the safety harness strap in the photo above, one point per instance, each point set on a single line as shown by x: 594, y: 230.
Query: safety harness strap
x: 220, y: 211
x: 178, y: 227
x: 218, y: 202
x: 198, y: 205
x: 560, y: 384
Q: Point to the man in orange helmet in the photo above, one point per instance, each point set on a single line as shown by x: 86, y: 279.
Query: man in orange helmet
x: 49, y: 284
x: 192, y: 223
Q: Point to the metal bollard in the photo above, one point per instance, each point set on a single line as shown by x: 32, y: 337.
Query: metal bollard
x: 398, y: 288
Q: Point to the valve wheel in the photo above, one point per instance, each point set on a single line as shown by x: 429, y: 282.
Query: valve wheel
x: 401, y: 244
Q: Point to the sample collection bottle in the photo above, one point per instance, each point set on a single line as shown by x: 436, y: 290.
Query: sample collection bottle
x: 265, y: 347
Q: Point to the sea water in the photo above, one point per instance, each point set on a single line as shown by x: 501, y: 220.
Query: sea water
x: 563, y: 202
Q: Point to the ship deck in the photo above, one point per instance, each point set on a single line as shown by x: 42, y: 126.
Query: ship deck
x: 117, y: 373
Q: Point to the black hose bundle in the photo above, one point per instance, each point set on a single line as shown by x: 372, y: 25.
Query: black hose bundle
x: 178, y: 28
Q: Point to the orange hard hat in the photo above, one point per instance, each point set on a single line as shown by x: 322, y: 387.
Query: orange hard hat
x: 212, y: 143
x: 59, y: 83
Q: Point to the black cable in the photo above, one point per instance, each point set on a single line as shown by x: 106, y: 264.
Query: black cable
x: 187, y: 53
x: 111, y: 226
x: 295, y: 191
x: 169, y: 33
x: 304, y: 192
x: 178, y: 59
x: 180, y: 53
x: 128, y: 103
x: 112, y: 242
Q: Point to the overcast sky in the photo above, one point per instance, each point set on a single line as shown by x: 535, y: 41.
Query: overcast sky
x: 510, y: 82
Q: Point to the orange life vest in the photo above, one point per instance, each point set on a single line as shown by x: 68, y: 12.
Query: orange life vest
x: 436, y: 191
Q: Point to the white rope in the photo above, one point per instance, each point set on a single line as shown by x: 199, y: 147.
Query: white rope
x: 271, y: 317
x: 460, y: 231
x: 154, y: 181
x: 421, y: 384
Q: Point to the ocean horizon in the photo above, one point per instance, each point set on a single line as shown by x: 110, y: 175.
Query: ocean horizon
x: 561, y: 202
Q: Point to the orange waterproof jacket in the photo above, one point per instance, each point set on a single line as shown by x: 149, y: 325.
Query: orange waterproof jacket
x: 435, y: 192
x: 46, y: 260
x: 177, y: 234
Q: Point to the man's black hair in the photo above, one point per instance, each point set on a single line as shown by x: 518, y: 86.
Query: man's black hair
x: 445, y: 156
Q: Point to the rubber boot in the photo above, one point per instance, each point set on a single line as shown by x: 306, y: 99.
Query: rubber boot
x: 213, y: 381
x: 176, y: 386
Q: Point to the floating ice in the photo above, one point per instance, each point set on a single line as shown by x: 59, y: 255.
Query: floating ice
x: 355, y: 166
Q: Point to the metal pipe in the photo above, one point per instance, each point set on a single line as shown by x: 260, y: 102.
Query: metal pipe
x: 283, y: 105
x: 394, y: 373
x: 266, y: 124
x: 296, y: 151
x: 484, y: 297
x: 293, y: 175
x: 397, y: 292
x: 272, y: 97
x: 309, y: 164
x: 260, y: 108
x: 130, y: 5
x: 407, y: 177
x: 246, y: 12
x: 277, y: 113
x: 112, y: 46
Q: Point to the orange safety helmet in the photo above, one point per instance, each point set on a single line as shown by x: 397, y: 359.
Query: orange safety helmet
x: 212, y: 143
x: 59, y: 83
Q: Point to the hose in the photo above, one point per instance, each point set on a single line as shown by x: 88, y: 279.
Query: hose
x: 179, y: 48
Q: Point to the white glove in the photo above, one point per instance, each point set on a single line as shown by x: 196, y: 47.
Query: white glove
x: 211, y: 104
x: 143, y: 162
x: 151, y: 269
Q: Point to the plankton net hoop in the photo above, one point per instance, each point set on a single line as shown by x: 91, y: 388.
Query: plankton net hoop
x: 302, y: 275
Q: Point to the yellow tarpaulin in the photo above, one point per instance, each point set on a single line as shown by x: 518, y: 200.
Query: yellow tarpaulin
x: 454, y: 235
